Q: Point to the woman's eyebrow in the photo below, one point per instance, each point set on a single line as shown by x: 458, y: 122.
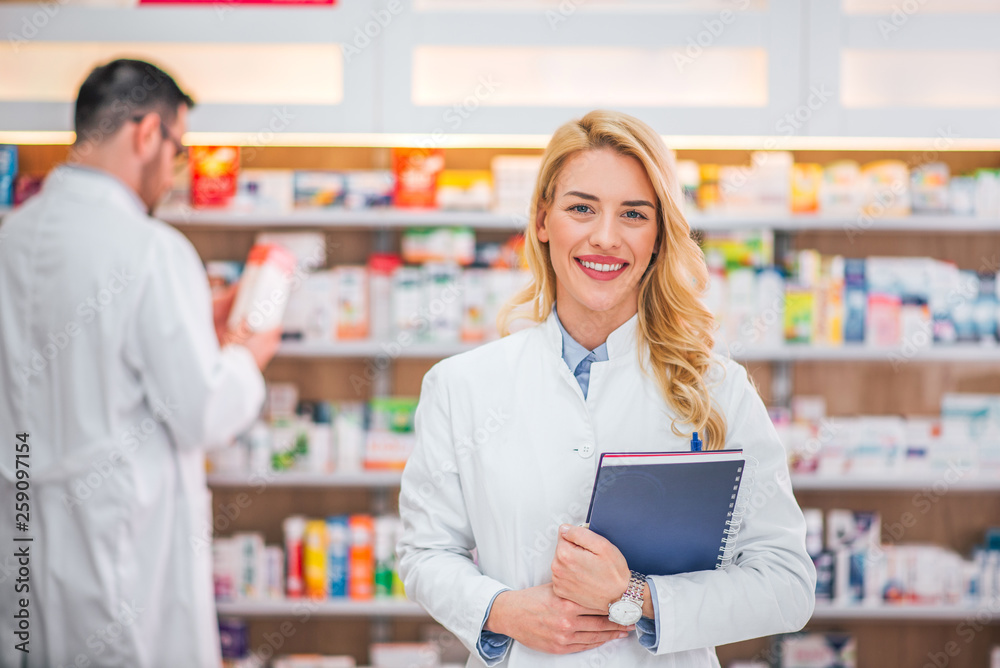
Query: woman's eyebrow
x: 577, y: 193
x: 593, y: 198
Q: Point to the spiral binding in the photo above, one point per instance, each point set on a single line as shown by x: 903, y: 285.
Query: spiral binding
x: 745, y: 483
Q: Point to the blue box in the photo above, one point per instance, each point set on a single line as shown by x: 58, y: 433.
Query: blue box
x: 8, y: 171
x: 338, y: 554
x: 855, y: 300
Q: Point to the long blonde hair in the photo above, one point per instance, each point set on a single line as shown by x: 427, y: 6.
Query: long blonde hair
x: 673, y: 323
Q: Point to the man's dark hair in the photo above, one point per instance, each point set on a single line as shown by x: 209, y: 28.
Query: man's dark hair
x: 121, y: 90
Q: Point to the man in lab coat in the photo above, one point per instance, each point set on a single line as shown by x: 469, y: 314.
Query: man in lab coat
x: 112, y: 383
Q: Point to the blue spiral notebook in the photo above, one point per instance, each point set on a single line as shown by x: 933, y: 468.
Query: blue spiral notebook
x: 669, y: 512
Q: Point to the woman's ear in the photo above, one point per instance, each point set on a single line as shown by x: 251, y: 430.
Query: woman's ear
x: 541, y: 231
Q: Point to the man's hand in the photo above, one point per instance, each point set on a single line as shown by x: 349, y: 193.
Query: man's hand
x: 262, y: 345
x: 222, y: 304
x: 540, y: 620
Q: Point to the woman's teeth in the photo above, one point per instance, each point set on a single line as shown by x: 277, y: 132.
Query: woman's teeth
x: 601, y: 267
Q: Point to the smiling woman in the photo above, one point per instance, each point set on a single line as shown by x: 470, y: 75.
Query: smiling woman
x: 619, y: 360
x: 606, y: 196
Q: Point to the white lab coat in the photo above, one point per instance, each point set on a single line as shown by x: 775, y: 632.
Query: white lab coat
x: 108, y: 359
x: 495, y: 469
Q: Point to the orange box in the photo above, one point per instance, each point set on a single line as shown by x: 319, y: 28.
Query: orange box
x: 214, y: 172
x: 361, y: 558
x: 416, y: 171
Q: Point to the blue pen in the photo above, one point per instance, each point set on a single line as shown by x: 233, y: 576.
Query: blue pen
x: 695, y: 442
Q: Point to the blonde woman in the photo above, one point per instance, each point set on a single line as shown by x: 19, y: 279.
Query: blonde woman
x: 619, y: 359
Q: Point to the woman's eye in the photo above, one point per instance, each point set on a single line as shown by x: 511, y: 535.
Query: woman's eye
x: 634, y: 215
x: 580, y: 208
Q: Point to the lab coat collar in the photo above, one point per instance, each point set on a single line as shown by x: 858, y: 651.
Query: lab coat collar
x: 93, y: 184
x: 620, y: 342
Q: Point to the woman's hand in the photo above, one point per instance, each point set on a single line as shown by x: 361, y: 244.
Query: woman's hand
x: 588, y: 569
x: 540, y: 620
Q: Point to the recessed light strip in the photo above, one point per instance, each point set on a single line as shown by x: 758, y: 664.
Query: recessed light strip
x: 529, y: 141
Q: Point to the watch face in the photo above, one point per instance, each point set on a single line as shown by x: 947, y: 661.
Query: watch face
x: 625, y: 613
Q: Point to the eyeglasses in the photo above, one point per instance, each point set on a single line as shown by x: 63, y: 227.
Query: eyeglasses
x: 180, y: 150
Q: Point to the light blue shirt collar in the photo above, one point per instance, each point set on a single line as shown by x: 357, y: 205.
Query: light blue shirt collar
x: 573, y: 353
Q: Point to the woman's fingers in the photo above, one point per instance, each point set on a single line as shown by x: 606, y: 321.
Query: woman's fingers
x: 573, y: 649
x: 592, y: 623
x: 597, y: 637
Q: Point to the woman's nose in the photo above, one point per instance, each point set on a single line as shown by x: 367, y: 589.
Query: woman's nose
x: 605, y: 233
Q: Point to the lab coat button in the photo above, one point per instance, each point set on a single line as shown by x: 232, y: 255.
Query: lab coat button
x: 585, y: 450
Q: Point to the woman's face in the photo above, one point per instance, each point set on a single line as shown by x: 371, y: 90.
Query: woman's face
x: 601, y: 231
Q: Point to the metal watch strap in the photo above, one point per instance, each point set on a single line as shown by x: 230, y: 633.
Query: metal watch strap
x: 636, y: 585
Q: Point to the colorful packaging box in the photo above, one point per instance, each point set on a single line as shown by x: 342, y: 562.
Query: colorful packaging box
x: 361, y: 560
x: 8, y: 171
x: 314, y: 559
x: 214, y: 174
x: 352, y: 302
x: 806, y: 181
x: 338, y: 554
x: 416, y: 171
x: 319, y: 189
x: 816, y: 650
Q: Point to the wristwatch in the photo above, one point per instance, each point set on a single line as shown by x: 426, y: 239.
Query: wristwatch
x: 628, y: 610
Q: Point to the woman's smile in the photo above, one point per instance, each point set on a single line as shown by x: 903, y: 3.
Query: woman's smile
x: 601, y: 267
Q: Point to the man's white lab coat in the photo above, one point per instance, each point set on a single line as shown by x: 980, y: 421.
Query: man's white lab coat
x: 507, y: 450
x: 109, y: 361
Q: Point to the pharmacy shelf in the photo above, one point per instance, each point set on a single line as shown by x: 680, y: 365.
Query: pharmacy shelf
x: 789, y: 353
x: 185, y: 216
x: 802, y: 483
x: 905, y: 613
x: 855, y: 226
x: 320, y: 608
x: 811, y: 483
x: 862, y: 353
x: 376, y: 479
x: 361, y: 349
x: 404, y: 608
